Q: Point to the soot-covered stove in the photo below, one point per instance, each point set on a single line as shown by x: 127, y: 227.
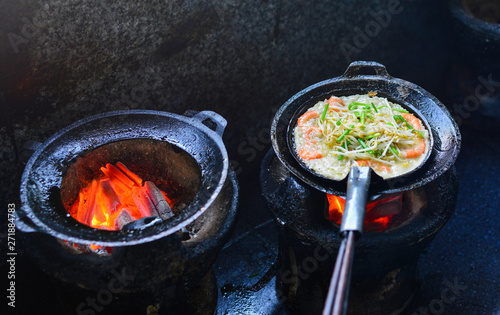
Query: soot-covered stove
x: 385, y: 265
x: 135, y: 215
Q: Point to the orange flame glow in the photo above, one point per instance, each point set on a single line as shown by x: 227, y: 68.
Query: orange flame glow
x: 118, y: 198
x: 378, y: 213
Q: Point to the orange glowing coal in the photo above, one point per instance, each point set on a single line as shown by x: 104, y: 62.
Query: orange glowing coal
x: 378, y: 213
x: 118, y: 198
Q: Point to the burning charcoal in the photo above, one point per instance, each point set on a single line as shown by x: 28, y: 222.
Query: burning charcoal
x: 87, y: 205
x: 136, y: 179
x: 99, y: 250
x: 120, y: 188
x: 82, y: 248
x: 336, y: 208
x: 107, y: 197
x: 384, y: 208
x: 144, y: 204
x: 99, y: 218
x: 81, y: 212
x: 119, y: 198
x: 157, y: 198
x: 123, y: 218
x: 378, y: 212
x: 114, y: 173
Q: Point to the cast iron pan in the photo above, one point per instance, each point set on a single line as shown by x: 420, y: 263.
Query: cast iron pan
x: 444, y: 133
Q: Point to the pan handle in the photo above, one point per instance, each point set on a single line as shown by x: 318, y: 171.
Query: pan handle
x: 219, y: 121
x: 358, y: 184
x: 356, y: 67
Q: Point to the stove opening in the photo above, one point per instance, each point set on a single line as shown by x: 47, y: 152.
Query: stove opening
x: 124, y: 181
x: 385, y: 212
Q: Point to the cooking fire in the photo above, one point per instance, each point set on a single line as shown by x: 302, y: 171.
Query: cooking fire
x: 378, y: 212
x: 118, y: 198
x: 115, y: 199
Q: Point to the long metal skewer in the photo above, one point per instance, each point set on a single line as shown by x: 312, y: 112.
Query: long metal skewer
x: 350, y: 230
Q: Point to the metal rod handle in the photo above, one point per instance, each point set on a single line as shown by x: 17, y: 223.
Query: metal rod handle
x: 350, y: 230
x: 336, y: 301
x: 355, y: 202
x: 342, y: 292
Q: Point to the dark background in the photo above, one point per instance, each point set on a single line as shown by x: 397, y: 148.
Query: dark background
x: 64, y: 61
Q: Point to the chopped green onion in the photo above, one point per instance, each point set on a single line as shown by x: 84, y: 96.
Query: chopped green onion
x: 375, y: 108
x: 363, y: 114
x: 363, y: 144
x: 345, y: 134
x: 357, y: 114
x: 369, y: 116
x: 367, y: 107
x: 338, y: 122
x: 373, y: 136
x: 360, y: 104
x: 419, y: 133
x: 400, y: 110
x: 322, y: 118
x: 341, y: 156
x: 382, y: 106
x: 393, y: 149
x: 390, y: 124
x: 399, y: 117
x: 352, y: 106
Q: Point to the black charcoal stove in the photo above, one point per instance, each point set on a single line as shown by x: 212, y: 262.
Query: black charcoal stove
x: 151, y: 264
x: 384, y: 277
x: 412, y: 209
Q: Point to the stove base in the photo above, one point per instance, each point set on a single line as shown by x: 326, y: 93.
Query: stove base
x: 303, y: 279
x: 390, y: 294
x: 198, y: 300
x: 384, y: 275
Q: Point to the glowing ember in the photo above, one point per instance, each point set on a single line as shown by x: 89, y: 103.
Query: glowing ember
x: 118, y: 198
x: 378, y: 213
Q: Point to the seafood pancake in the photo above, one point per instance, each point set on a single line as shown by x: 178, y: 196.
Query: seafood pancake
x: 364, y: 129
